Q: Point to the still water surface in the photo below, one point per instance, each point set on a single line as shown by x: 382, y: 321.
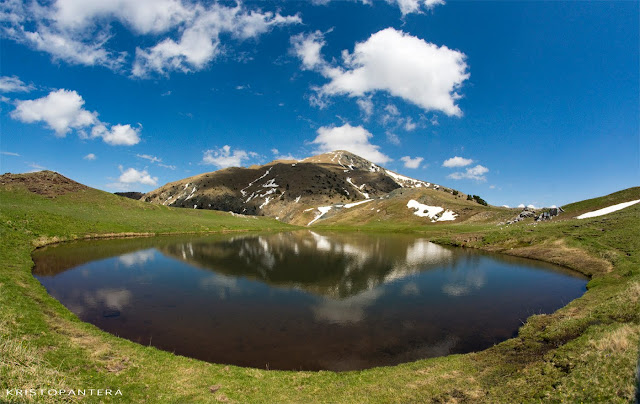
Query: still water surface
x: 302, y: 300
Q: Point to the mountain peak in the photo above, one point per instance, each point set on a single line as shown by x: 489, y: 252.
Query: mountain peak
x: 285, y: 189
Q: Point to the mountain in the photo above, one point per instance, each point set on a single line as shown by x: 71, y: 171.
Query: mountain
x: 46, y: 183
x: 130, y: 195
x: 302, y: 192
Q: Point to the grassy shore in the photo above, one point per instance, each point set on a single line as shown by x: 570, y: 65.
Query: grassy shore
x: 584, y: 352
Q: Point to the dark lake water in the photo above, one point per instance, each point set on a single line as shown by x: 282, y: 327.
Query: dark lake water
x: 302, y: 300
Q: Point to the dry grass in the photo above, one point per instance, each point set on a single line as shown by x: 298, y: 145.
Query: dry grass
x: 22, y: 364
x: 618, y: 341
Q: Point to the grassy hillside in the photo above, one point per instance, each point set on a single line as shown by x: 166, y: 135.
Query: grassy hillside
x: 588, y: 205
x: 584, y: 352
x: 391, y: 212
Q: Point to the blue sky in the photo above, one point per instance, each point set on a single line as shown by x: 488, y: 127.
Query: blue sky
x: 519, y: 102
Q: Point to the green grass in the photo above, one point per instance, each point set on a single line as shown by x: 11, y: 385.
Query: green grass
x: 584, y: 352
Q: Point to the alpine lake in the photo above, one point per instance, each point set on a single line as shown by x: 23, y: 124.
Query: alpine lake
x: 302, y: 300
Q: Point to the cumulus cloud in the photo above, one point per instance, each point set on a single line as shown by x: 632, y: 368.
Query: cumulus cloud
x: 474, y: 173
x: 188, y: 33
x: 121, y: 135
x: 199, y: 42
x: 223, y: 157
x: 456, y: 162
x: 412, y: 162
x: 12, y: 84
x: 133, y: 176
x: 392, y: 62
x: 63, y: 110
x: 351, y: 138
x: 90, y: 157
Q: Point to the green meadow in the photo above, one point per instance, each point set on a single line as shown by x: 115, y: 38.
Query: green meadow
x: 586, y: 351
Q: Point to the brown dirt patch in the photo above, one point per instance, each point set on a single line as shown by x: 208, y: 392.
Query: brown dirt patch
x: 45, y: 183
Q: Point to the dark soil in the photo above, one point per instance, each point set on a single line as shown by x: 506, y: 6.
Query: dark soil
x: 46, y: 183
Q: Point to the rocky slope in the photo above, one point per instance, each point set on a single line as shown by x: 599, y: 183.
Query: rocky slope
x: 299, y: 192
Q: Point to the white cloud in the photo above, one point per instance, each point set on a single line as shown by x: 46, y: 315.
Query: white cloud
x: 6, y: 153
x: 412, y: 162
x: 393, y: 138
x: 392, y: 110
x: 351, y: 138
x: 90, y: 157
x: 394, y: 121
x: 307, y: 47
x: 199, y: 41
x: 63, y: 110
x: 415, y: 6
x: 187, y: 32
x: 121, y: 135
x: 63, y: 46
x: 143, y: 16
x: 531, y: 207
x: 275, y: 151
x: 409, y: 125
x: 473, y: 173
x: 521, y: 205
x: 406, y: 6
x: 152, y: 159
x: 366, y: 107
x: 133, y: 176
x: 223, y: 157
x: 155, y: 160
x: 397, y: 63
x: 456, y: 162
x: 12, y: 84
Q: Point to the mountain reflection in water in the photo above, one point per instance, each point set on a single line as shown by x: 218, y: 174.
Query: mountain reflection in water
x: 301, y: 300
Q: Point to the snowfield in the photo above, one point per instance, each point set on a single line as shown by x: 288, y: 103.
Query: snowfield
x: 431, y: 212
x: 606, y: 210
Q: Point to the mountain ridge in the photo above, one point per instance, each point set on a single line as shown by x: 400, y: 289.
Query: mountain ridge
x: 289, y: 189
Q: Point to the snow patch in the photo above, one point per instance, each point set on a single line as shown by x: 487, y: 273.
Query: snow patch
x: 270, y: 183
x: 447, y: 215
x: 266, y: 202
x: 244, y: 193
x: 407, y: 182
x: 351, y: 205
x: 323, y: 210
x: 358, y: 188
x: 192, y: 193
x: 298, y: 199
x: 435, y: 213
x: 606, y: 210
